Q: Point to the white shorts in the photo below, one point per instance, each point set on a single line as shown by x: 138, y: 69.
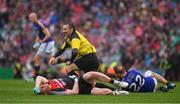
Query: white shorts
x: 149, y: 74
x: 47, y: 48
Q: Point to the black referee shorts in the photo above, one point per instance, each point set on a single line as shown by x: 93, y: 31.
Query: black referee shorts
x: 87, y: 63
x: 84, y: 87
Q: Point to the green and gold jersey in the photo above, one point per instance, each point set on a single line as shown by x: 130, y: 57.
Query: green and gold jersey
x: 79, y: 42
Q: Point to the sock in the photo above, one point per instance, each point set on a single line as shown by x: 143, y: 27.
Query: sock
x: 100, y: 85
x: 114, y: 93
x: 111, y: 81
x: 36, y: 68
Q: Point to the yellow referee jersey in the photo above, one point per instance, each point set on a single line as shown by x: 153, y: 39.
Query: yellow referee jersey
x: 79, y: 42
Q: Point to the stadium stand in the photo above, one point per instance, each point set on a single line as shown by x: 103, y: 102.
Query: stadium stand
x: 142, y: 33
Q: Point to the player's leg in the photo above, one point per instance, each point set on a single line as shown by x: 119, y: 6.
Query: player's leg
x: 87, y: 88
x: 106, y: 91
x: 71, y: 69
x: 101, y: 91
x: 101, y: 85
x: 160, y: 79
x: 37, y: 58
x: 37, y: 61
x: 92, y: 76
x: 50, y: 48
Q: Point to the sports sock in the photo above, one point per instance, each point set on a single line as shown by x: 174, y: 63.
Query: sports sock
x: 36, y: 68
x: 101, y: 85
x: 111, y: 81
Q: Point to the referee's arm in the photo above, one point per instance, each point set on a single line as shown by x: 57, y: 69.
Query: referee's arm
x: 75, y: 48
x: 61, y: 50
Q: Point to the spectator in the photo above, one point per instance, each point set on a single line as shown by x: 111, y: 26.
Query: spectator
x: 147, y: 28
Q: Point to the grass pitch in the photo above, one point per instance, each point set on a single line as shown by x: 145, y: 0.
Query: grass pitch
x: 20, y: 91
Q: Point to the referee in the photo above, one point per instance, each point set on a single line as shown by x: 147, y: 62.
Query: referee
x: 83, y: 55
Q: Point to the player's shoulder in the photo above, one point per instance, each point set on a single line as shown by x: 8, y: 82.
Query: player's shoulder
x: 40, y: 24
x: 43, y: 22
x: 132, y: 69
x: 75, y: 35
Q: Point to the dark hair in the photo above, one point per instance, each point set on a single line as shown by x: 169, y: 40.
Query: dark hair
x: 119, y: 71
x: 71, y: 25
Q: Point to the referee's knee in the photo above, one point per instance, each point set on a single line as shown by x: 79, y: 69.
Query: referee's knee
x: 88, y: 75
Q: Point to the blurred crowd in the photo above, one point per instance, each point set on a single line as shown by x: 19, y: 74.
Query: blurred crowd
x: 136, y: 33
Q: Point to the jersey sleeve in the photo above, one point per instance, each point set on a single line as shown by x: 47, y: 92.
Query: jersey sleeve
x: 61, y: 49
x: 57, y: 93
x: 75, y: 43
x: 43, y: 23
x: 64, y: 46
x: 58, y: 89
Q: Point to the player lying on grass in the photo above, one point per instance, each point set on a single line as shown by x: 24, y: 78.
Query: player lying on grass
x: 71, y: 85
x: 139, y: 83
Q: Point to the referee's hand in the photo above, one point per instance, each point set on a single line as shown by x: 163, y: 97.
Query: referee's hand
x: 52, y: 60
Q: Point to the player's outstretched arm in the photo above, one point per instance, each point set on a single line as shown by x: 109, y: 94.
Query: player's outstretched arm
x: 75, y: 89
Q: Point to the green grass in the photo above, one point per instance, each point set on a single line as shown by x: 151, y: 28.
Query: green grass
x: 19, y: 91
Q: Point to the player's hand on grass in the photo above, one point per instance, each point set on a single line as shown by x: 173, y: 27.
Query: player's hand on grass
x: 36, y: 90
x: 36, y: 45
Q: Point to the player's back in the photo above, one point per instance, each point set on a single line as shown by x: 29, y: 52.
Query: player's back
x: 137, y: 82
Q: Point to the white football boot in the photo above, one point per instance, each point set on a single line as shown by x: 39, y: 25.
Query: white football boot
x: 120, y: 84
x: 120, y: 92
